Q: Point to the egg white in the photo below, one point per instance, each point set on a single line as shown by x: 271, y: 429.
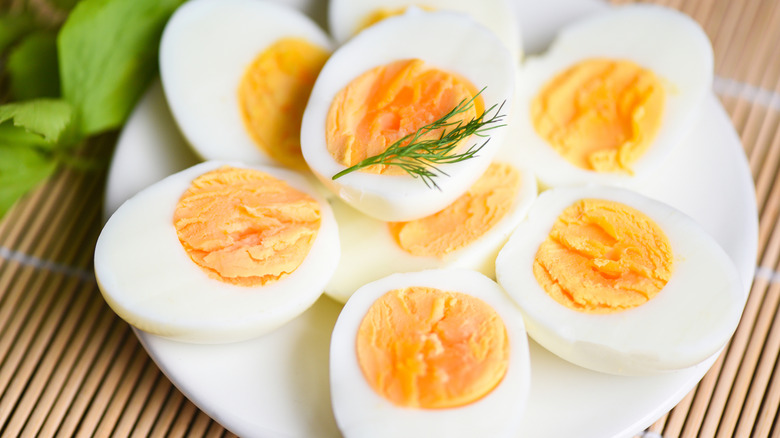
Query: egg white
x: 205, y: 50
x: 688, y: 321
x: 446, y: 40
x: 361, y: 412
x: 149, y: 280
x: 346, y: 17
x: 369, y: 252
x: 662, y: 40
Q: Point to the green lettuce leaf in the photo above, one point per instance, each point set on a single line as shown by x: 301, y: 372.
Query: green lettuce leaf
x: 21, y: 169
x: 64, y: 5
x: 51, y: 119
x: 108, y: 55
x: 14, y: 27
x: 32, y: 67
x: 14, y: 135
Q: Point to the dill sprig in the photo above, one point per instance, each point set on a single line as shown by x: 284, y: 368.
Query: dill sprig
x: 421, y: 157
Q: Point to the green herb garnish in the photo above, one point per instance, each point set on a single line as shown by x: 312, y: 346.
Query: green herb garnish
x: 421, y: 157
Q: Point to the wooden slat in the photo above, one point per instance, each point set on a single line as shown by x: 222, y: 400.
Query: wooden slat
x: 703, y: 394
x: 151, y: 409
x: 88, y: 345
x: 676, y: 419
x: 769, y: 409
x: 763, y: 372
x: 164, y: 423
x: 137, y: 399
x: 106, y: 355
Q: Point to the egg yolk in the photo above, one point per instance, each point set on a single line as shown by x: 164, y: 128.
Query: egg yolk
x: 245, y: 227
x: 603, y: 257
x: 600, y: 114
x: 383, y: 13
x: 388, y: 102
x: 465, y: 220
x: 425, y: 348
x: 273, y: 94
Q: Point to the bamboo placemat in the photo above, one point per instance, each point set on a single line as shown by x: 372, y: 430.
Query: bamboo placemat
x: 69, y: 366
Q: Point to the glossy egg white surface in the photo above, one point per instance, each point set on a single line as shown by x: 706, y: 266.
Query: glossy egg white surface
x: 662, y: 40
x: 347, y: 17
x: 449, y: 41
x: 205, y: 50
x: 369, y: 252
x: 361, y: 412
x: 687, y: 322
x: 149, y: 280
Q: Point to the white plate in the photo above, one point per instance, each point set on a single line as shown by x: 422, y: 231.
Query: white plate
x: 277, y: 385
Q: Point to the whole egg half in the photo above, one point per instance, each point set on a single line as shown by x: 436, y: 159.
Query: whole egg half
x: 218, y: 252
x: 390, y: 81
x: 429, y: 353
x: 613, y: 96
x: 619, y: 283
x: 348, y: 17
x: 237, y: 75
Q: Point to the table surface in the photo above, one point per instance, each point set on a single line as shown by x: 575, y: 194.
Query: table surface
x: 69, y: 366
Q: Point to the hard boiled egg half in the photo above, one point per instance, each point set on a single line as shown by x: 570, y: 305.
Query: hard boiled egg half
x: 613, y: 96
x: 218, y: 252
x: 616, y: 282
x: 429, y: 353
x: 348, y: 17
x: 237, y: 75
x: 392, y: 80
x: 466, y: 234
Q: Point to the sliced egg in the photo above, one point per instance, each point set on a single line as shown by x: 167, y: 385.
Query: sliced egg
x: 614, y: 94
x: 619, y: 283
x: 218, y: 252
x: 366, y: 99
x: 237, y: 75
x: 348, y: 17
x: 429, y: 353
x: 466, y: 234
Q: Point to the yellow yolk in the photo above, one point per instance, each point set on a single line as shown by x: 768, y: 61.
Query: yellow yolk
x: 388, y: 102
x: 600, y: 114
x: 465, y: 220
x: 273, y: 94
x: 245, y: 227
x: 383, y: 13
x: 603, y: 257
x: 426, y: 348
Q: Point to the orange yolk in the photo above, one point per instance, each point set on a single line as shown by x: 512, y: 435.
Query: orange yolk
x: 245, y: 227
x: 388, y: 102
x: 603, y: 257
x: 465, y: 220
x: 273, y: 94
x: 426, y: 348
x: 600, y: 114
x: 382, y: 13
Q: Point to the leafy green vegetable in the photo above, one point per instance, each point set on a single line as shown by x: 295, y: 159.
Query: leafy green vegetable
x: 33, y: 136
x: 21, y: 169
x: 15, y: 135
x: 49, y: 118
x: 14, y: 27
x: 108, y: 54
x: 64, y: 5
x: 98, y: 64
x: 32, y: 67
